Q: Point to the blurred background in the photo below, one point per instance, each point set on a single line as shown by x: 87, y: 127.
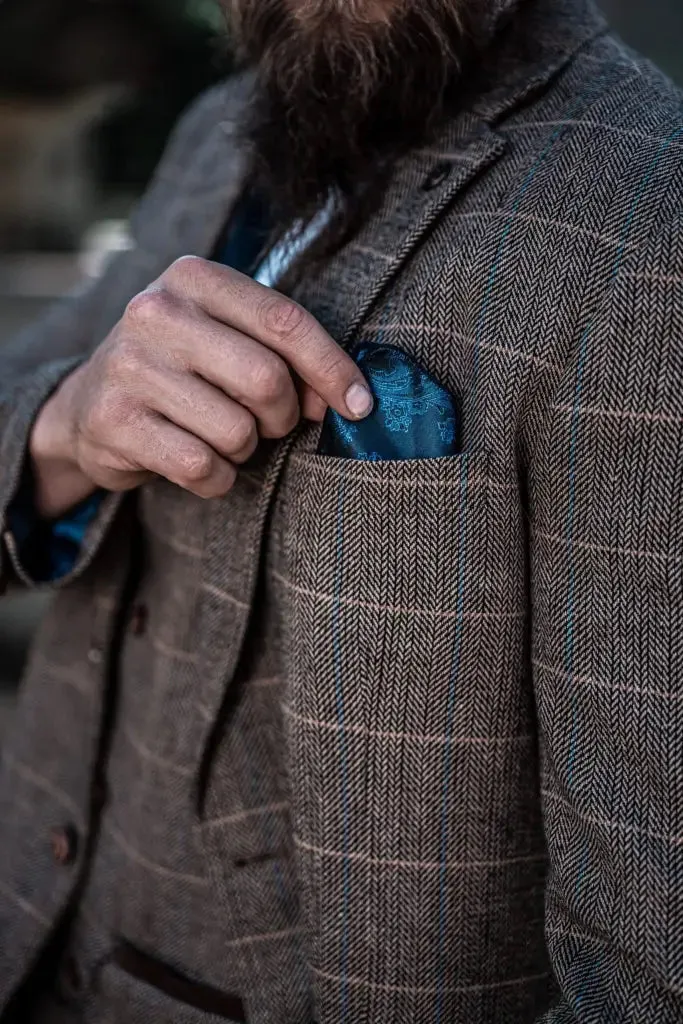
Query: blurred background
x: 89, y: 90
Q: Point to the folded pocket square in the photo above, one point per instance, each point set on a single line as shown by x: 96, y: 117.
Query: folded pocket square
x: 414, y: 416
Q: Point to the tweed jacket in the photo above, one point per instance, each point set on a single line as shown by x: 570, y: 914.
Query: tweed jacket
x: 400, y: 740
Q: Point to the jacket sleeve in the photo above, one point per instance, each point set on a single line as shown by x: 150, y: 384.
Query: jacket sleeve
x: 34, y: 363
x: 606, y: 486
x: 32, y: 366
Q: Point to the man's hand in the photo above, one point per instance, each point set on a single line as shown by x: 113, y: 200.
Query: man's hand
x: 203, y: 363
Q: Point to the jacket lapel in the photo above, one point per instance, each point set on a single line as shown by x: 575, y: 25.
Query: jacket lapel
x: 424, y: 185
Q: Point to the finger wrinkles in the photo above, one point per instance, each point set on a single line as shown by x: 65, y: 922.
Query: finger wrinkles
x: 110, y: 409
x: 209, y: 283
x: 270, y: 381
x: 272, y: 320
x: 149, y: 443
x: 283, y: 320
x: 196, y: 468
x: 241, y: 437
x: 251, y: 374
x: 193, y: 464
x: 332, y: 367
x: 231, y: 298
x: 123, y: 362
x: 205, y: 412
x: 181, y: 458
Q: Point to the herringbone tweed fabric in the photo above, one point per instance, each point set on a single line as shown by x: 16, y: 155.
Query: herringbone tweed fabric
x: 402, y: 740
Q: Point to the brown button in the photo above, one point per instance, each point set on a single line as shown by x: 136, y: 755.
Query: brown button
x: 64, y: 842
x: 138, y: 621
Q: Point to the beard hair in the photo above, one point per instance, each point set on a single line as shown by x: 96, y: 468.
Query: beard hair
x: 344, y: 88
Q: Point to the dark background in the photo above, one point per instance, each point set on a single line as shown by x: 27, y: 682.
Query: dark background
x: 654, y: 27
x: 89, y: 90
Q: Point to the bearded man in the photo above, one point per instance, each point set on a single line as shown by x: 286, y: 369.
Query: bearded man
x: 358, y: 482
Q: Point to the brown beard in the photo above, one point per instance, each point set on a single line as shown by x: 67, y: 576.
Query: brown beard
x: 344, y: 88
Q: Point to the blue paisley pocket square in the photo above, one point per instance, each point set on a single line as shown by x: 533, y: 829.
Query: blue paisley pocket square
x: 414, y: 416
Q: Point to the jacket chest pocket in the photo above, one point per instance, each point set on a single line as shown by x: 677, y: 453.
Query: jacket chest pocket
x: 409, y: 723
x: 386, y: 568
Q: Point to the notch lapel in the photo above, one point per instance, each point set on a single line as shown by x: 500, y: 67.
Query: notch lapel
x: 425, y: 184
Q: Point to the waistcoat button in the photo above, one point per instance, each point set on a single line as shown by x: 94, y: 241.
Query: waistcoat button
x: 64, y: 842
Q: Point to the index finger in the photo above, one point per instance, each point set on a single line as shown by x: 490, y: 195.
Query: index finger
x: 280, y: 324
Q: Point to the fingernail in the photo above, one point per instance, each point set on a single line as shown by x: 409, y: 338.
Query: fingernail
x: 359, y: 401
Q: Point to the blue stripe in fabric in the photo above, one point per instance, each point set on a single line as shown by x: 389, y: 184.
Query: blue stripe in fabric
x: 526, y: 184
x: 448, y: 750
x: 582, y: 103
x: 582, y: 869
x: 576, y: 412
x: 501, y: 250
x: 593, y: 969
x: 569, y: 532
x: 343, y: 755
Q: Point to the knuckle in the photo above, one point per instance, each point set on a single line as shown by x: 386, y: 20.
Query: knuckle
x: 195, y: 464
x: 272, y: 380
x: 147, y: 308
x: 332, y: 366
x: 284, y: 319
x: 93, y: 423
x: 284, y: 423
x: 186, y: 271
x: 241, y: 434
x: 289, y: 418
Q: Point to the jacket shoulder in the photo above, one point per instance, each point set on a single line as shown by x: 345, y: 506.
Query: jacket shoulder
x: 219, y: 106
x: 609, y: 131
x: 622, y: 101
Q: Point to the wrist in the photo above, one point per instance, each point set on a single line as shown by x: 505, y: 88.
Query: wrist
x: 59, y: 482
x: 51, y: 440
